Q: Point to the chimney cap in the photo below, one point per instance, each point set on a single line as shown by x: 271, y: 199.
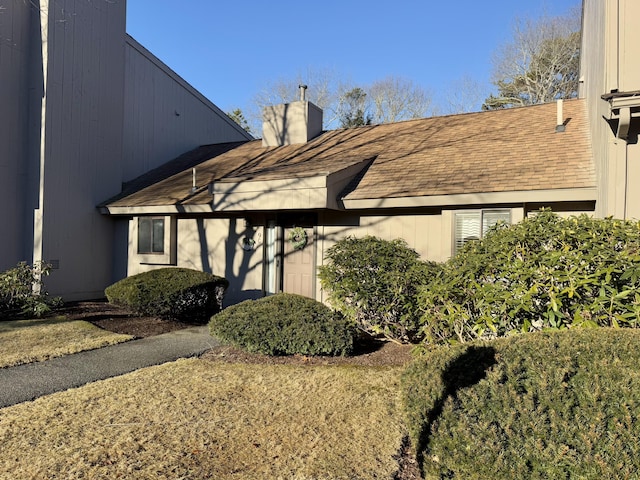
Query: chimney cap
x: 303, y: 92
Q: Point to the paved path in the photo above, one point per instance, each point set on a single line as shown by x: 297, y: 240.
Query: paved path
x: 33, y: 380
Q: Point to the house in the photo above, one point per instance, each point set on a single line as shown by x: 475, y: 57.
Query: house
x: 263, y: 212
x: 232, y: 208
x: 85, y: 108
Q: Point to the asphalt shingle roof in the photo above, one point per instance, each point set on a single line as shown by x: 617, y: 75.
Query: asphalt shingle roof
x: 498, y: 151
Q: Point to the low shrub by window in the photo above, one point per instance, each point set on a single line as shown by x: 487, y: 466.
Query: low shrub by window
x: 284, y: 324
x: 175, y: 293
x: 544, y: 272
x: 374, y: 282
x: 557, y: 404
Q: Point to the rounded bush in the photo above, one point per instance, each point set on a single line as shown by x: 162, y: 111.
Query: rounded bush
x: 544, y: 272
x: 374, y: 283
x: 284, y: 324
x: 174, y: 293
x: 557, y: 404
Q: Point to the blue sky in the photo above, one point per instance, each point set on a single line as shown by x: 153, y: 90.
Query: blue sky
x: 230, y: 50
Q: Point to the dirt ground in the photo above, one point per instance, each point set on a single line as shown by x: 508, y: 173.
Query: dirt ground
x: 369, y: 352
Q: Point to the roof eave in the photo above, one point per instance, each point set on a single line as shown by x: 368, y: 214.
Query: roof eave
x: 479, y: 198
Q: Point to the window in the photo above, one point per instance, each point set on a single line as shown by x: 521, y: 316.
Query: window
x: 473, y: 225
x: 151, y: 235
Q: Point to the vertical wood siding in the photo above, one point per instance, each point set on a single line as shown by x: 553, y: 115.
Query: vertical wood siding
x: 14, y: 89
x: 83, y: 146
x: 164, y: 116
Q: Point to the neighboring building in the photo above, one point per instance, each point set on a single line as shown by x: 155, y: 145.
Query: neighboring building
x: 610, y: 81
x: 85, y: 108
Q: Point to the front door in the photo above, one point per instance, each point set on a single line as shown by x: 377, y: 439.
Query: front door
x: 298, y: 266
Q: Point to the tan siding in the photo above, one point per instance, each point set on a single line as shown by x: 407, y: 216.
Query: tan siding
x: 214, y: 245
x: 164, y: 117
x: 83, y: 142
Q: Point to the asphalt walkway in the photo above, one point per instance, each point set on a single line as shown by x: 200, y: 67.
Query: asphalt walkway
x: 33, y: 380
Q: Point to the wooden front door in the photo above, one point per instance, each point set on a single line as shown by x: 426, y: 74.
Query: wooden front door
x: 298, y: 266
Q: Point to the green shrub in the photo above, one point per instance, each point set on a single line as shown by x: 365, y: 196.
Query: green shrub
x: 174, y: 293
x: 22, y: 291
x: 374, y: 282
x: 556, y: 404
x: 284, y: 324
x: 544, y: 272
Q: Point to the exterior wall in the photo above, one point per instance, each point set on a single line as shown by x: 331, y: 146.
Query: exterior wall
x: 215, y: 246
x: 164, y: 116
x: 610, y: 49
x: 80, y: 160
x: 18, y: 56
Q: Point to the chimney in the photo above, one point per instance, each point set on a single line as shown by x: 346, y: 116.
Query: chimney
x: 291, y: 123
x: 559, y: 117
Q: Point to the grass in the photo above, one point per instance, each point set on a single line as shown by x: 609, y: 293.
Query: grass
x: 26, y: 341
x: 197, y: 419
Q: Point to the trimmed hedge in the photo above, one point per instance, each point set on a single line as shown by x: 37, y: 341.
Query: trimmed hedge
x: 374, y: 283
x: 284, y: 324
x: 558, y: 404
x: 173, y: 293
x: 544, y: 272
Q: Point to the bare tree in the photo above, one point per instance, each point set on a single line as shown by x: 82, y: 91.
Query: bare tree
x: 396, y: 98
x: 540, y: 64
x: 463, y: 95
x: 389, y: 100
x: 324, y: 91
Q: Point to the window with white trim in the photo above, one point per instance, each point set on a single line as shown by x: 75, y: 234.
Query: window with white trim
x: 474, y: 224
x: 150, y: 235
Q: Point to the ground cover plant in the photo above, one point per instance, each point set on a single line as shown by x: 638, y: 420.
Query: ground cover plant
x: 557, y: 404
x: 26, y: 341
x: 284, y: 324
x: 172, y: 293
x: 544, y: 272
x: 196, y: 419
x: 22, y: 291
x: 374, y: 282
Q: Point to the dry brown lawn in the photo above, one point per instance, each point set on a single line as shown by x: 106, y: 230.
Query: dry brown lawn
x: 25, y: 341
x: 201, y: 419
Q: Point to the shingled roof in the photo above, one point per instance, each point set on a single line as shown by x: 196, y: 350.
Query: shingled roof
x: 512, y: 150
